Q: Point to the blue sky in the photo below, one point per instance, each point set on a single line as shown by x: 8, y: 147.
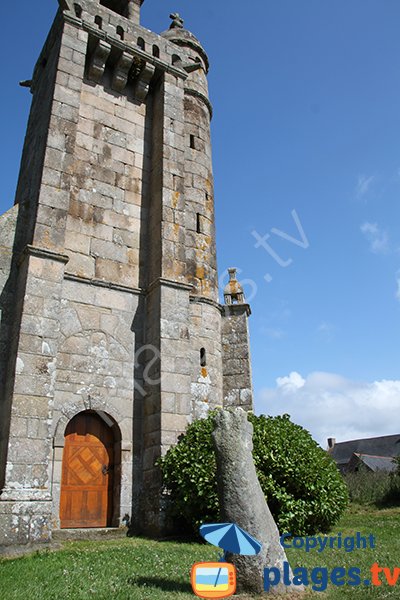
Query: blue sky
x: 306, y: 136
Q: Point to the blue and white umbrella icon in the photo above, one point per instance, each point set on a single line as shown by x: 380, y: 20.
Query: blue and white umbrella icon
x: 231, y: 538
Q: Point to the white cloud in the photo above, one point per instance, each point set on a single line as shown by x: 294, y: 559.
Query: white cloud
x: 398, y: 286
x: 363, y: 185
x: 275, y: 334
x: 326, y: 331
x: 377, y: 237
x: 291, y: 383
x: 329, y: 405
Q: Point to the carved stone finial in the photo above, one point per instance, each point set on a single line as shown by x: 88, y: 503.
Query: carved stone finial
x: 177, y: 21
x: 233, y: 291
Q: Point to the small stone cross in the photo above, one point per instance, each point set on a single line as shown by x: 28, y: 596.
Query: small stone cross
x: 177, y: 21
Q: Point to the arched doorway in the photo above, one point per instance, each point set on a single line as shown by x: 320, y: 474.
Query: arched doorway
x: 89, y: 472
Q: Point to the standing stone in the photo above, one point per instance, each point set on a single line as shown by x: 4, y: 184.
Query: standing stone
x: 242, y: 500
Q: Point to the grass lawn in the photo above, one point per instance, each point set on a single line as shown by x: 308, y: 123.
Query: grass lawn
x: 139, y: 569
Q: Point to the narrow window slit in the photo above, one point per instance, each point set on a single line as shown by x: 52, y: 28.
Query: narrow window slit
x: 78, y: 10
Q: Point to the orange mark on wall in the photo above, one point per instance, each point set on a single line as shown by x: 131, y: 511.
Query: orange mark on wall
x: 205, y: 243
x: 132, y: 256
x: 177, y: 228
x: 200, y: 272
x: 87, y: 212
x: 175, y: 199
x: 204, y: 372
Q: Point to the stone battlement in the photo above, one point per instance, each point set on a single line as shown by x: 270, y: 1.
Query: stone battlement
x: 122, y: 33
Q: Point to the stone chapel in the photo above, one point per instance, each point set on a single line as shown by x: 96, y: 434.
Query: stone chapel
x: 112, y: 337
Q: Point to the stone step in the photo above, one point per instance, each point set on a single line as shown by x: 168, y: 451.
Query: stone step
x: 89, y: 534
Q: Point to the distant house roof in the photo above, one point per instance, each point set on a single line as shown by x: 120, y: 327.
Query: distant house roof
x: 378, y: 447
x: 377, y: 463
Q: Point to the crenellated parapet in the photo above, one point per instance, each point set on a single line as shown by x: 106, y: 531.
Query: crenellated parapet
x: 135, y: 55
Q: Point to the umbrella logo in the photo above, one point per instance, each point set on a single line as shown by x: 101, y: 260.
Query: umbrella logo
x: 218, y: 580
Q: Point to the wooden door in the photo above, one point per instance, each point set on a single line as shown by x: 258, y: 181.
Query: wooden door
x: 87, y: 473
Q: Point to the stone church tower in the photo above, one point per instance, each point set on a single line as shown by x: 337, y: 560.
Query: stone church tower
x: 112, y: 338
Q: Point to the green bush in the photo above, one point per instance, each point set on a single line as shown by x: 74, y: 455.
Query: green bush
x: 189, y: 476
x: 380, y: 488
x: 366, y: 487
x: 302, y: 485
x: 392, y: 496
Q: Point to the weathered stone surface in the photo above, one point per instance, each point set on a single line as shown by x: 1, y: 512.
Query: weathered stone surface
x: 242, y: 500
x: 24, y: 523
x: 237, y: 380
x: 108, y: 278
